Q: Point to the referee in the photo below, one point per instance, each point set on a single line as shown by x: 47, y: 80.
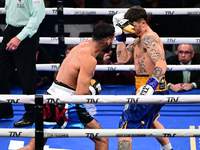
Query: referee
x: 18, y: 51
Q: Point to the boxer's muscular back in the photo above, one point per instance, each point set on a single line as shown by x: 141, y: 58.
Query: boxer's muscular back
x: 143, y: 62
x: 78, y: 66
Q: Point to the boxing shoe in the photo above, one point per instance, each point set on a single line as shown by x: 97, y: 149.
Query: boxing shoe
x: 23, y: 123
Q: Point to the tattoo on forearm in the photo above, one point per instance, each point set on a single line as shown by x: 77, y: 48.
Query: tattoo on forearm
x: 157, y: 72
x: 141, y: 66
x: 118, y: 53
x: 124, y: 145
x: 136, y: 41
x: 130, y: 49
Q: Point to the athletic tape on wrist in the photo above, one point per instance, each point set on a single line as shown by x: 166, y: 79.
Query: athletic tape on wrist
x: 153, y: 82
x: 92, y: 90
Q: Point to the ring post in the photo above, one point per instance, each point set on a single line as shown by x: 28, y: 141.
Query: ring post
x: 39, y: 136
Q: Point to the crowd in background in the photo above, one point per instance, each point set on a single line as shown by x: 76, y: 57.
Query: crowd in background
x: 164, y: 25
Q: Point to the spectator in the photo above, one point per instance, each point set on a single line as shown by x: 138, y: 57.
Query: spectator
x: 69, y: 48
x: 18, y: 51
x: 114, y: 77
x: 183, y: 80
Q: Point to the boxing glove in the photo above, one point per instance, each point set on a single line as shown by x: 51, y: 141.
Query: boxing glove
x: 95, y: 87
x: 117, y: 17
x: 149, y: 87
x: 122, y: 27
x: 125, y: 25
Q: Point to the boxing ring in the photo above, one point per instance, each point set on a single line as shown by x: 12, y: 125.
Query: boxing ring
x: 183, y: 131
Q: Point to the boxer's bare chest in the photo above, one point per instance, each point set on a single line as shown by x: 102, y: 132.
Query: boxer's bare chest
x: 143, y: 63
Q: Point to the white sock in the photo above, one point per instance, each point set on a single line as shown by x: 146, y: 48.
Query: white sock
x: 167, y: 147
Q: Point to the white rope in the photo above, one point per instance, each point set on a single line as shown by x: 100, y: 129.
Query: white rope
x: 93, y: 133
x: 122, y: 99
x: 6, y: 132
x: 55, y: 67
x: 103, y: 99
x: 25, y: 99
x: 112, y: 11
x: 77, y: 40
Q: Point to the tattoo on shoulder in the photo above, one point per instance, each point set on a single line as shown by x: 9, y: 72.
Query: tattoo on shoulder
x: 157, y: 72
x: 149, y: 40
x: 151, y: 44
x: 124, y: 145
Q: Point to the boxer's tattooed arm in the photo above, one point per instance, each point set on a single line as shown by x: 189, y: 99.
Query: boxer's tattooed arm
x: 136, y: 41
x: 157, y: 72
x: 118, y: 53
x: 153, y: 48
x: 130, y: 49
x: 141, y: 66
x: 124, y: 145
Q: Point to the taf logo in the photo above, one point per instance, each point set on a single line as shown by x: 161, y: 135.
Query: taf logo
x: 132, y: 100
x: 12, y: 100
x: 92, y: 135
x: 92, y: 100
x: 172, y: 99
x: 15, y: 134
x: 52, y: 100
x: 112, y: 68
x: 169, y: 12
x: 169, y: 134
x: 112, y: 12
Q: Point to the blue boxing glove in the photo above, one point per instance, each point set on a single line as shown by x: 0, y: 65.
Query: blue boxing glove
x: 120, y: 38
x: 149, y: 87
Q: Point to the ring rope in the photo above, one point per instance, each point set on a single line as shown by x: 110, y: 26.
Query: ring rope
x: 77, y: 40
x: 94, y: 133
x: 112, y: 11
x: 103, y: 99
x: 55, y: 67
x: 166, y: 40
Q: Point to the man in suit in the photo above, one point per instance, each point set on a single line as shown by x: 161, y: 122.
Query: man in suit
x: 183, y: 80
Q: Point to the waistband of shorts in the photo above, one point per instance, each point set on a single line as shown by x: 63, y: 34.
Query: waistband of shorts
x: 143, y: 75
x: 59, y: 88
x: 142, y: 79
x: 64, y: 85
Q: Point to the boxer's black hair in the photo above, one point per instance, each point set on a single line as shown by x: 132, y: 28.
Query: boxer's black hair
x: 102, y: 31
